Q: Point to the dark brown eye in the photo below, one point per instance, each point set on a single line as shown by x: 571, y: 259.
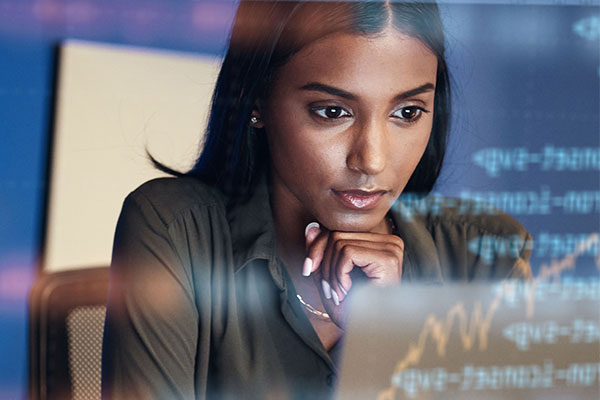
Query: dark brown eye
x: 409, y: 113
x: 331, y: 112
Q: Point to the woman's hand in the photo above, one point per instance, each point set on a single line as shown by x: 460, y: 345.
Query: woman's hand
x: 333, y: 255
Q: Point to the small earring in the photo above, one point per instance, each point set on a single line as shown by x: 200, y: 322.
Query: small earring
x: 254, y: 120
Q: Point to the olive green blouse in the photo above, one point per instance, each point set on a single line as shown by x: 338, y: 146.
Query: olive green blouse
x: 200, y: 306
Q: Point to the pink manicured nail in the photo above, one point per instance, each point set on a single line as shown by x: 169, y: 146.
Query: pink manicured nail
x: 311, y: 225
x: 307, y: 266
x: 336, y: 299
x: 343, y: 290
x: 326, y: 289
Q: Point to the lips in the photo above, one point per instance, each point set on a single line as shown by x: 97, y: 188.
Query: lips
x: 359, y: 199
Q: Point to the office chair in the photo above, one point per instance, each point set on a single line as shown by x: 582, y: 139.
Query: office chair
x: 89, y: 184
x: 66, y: 322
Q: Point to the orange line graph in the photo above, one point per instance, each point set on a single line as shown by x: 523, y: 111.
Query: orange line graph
x: 557, y: 267
x: 479, y: 325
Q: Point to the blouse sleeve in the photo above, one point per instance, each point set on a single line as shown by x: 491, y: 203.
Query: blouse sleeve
x: 152, y: 322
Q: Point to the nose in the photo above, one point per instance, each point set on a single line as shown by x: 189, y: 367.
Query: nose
x: 368, y: 150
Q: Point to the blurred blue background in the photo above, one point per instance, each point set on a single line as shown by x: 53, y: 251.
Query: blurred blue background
x: 526, y: 127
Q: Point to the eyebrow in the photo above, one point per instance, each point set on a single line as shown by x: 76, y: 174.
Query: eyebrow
x: 320, y: 87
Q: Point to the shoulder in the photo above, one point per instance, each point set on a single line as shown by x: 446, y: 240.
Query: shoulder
x: 465, y: 213
x: 169, y: 198
x: 181, y: 222
x: 455, y: 213
x: 472, y: 239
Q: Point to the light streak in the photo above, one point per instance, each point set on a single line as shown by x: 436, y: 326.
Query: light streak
x: 440, y: 331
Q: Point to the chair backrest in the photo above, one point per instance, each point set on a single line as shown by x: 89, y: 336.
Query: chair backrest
x: 67, y: 312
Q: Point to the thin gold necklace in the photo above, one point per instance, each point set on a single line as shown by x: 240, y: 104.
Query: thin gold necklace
x: 311, y: 309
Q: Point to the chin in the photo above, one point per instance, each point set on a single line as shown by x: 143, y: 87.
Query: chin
x: 353, y: 222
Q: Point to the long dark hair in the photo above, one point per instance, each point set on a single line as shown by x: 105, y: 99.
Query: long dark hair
x: 265, y: 35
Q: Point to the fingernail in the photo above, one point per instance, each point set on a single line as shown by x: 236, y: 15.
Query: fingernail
x: 343, y: 290
x: 307, y: 266
x: 336, y: 299
x: 326, y: 289
x: 311, y: 225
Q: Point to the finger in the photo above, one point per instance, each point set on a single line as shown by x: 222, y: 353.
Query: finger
x: 325, y: 268
x: 315, y: 253
x: 338, y: 292
x: 383, y: 267
x: 369, y: 237
x: 311, y: 232
x: 380, y: 277
x: 341, y: 282
x: 341, y: 277
x: 384, y: 275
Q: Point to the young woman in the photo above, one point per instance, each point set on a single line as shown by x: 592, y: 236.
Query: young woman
x: 230, y: 281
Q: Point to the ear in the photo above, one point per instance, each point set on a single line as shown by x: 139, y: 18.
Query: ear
x: 256, y: 120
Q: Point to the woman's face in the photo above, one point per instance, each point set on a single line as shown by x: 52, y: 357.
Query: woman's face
x: 348, y: 118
